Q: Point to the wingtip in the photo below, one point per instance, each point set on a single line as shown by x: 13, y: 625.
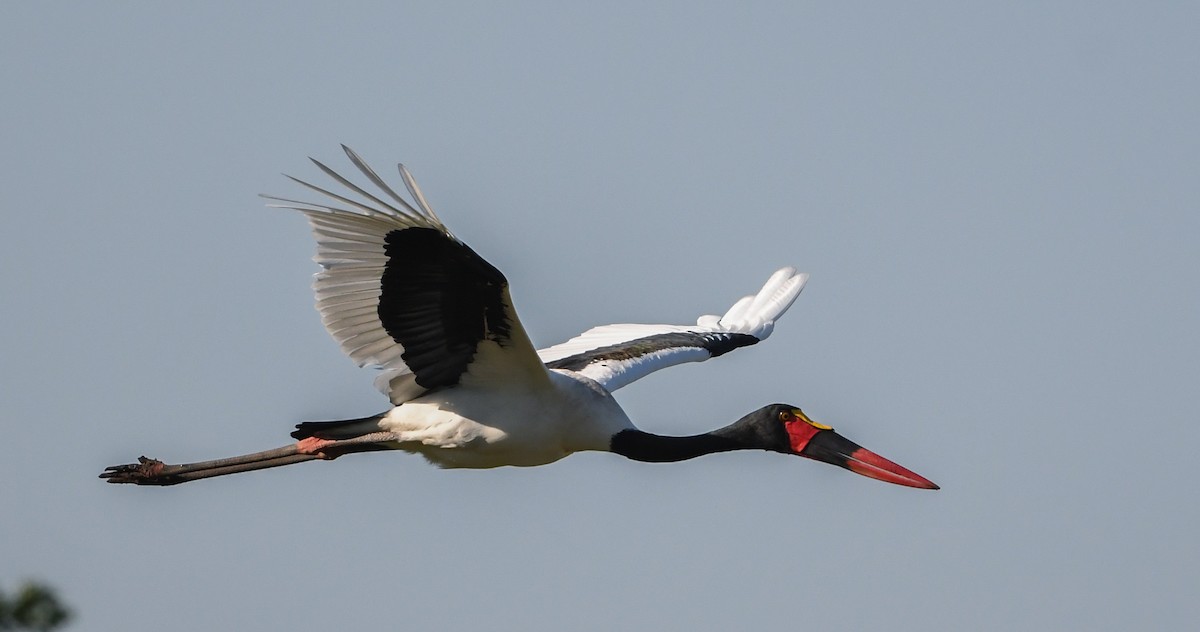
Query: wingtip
x: 350, y: 153
x: 787, y: 274
x: 407, y: 176
x: 756, y: 314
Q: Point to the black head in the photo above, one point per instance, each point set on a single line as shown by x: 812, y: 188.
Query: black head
x: 785, y: 428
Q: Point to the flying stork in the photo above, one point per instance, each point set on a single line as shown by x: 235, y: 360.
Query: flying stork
x: 398, y: 291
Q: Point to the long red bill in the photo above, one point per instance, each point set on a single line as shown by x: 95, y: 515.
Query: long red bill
x: 830, y: 447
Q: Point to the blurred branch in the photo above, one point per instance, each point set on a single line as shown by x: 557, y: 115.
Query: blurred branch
x: 34, y: 607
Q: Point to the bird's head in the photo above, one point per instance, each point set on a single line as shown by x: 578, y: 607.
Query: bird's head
x: 785, y: 428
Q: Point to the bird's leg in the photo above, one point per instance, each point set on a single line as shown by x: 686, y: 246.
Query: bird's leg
x: 154, y: 472
x: 330, y: 449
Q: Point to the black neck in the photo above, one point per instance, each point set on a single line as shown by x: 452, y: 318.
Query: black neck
x: 643, y: 446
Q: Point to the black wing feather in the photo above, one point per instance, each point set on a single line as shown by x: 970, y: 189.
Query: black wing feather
x: 715, y: 343
x: 438, y: 300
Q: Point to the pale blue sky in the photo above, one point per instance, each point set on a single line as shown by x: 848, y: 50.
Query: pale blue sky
x: 998, y: 204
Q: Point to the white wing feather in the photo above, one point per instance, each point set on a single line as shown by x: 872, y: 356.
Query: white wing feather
x: 752, y: 315
x: 351, y: 251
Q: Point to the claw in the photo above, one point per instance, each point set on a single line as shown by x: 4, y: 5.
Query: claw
x: 146, y: 469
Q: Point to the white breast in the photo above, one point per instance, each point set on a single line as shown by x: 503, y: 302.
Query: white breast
x: 485, y: 427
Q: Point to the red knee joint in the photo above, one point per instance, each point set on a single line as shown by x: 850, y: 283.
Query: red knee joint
x: 313, y: 446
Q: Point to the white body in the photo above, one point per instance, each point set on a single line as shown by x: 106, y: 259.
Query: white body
x: 485, y: 427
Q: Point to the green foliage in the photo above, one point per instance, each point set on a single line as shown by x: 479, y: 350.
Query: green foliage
x: 33, y: 607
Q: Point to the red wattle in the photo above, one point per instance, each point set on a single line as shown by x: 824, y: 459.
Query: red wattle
x: 800, y: 433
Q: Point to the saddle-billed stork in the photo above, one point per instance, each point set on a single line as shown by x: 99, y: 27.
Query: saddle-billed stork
x: 398, y: 291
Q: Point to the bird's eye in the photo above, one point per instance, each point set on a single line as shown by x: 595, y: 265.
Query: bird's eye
x: 786, y: 415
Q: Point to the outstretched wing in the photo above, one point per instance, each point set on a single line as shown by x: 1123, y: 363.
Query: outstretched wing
x: 615, y: 355
x: 399, y: 292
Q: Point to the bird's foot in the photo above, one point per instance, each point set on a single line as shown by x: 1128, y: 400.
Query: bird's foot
x: 144, y: 472
x: 316, y: 447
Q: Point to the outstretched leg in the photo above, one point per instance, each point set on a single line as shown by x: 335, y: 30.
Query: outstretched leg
x: 154, y: 472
